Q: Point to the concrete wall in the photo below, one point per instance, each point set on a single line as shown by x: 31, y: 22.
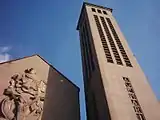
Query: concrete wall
x: 62, y: 98
x: 96, y: 104
x: 119, y: 103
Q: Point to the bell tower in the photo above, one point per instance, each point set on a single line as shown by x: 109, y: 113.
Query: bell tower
x: 115, y: 85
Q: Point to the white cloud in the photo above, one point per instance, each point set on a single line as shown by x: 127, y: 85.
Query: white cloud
x: 4, y: 55
x: 5, y: 49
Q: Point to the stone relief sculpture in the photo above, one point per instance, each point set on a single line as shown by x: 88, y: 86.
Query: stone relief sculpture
x: 24, y: 97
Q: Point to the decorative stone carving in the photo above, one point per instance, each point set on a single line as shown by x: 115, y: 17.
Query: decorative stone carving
x: 24, y: 97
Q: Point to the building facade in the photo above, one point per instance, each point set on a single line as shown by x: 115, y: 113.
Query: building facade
x: 32, y: 89
x: 115, y: 85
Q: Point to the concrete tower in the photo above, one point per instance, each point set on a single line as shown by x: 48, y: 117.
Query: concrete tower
x: 115, y: 85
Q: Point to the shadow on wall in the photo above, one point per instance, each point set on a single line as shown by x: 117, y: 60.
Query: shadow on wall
x: 62, y: 98
x: 97, y: 105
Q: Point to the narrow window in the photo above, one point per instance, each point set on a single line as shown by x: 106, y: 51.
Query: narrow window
x: 87, y: 53
x: 88, y: 61
x: 86, y: 74
x: 112, y: 44
x: 93, y: 9
x: 104, y: 12
x: 103, y: 40
x: 99, y: 11
x: 121, y: 48
x: 89, y: 46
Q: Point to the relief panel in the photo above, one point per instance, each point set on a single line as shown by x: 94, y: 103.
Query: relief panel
x: 23, y: 99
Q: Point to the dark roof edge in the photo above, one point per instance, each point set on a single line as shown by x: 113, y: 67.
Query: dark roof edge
x: 18, y: 59
x: 83, y: 6
x: 59, y: 72
x: 86, y: 3
x: 46, y: 63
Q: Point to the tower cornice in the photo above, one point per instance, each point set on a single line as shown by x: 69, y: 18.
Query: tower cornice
x: 90, y: 4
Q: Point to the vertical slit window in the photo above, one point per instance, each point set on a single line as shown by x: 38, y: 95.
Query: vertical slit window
x: 103, y: 40
x: 84, y: 56
x: 121, y: 48
x: 110, y: 39
x: 99, y: 11
x: 93, y: 9
x: 104, y: 12
x: 86, y: 52
x: 89, y: 46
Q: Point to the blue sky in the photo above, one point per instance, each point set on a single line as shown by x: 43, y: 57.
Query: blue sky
x: 48, y: 27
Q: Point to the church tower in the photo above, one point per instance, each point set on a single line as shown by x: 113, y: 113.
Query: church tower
x: 115, y: 85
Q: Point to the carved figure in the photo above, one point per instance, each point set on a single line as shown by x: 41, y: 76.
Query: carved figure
x: 24, y: 97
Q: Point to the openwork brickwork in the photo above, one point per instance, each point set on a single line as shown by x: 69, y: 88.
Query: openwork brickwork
x: 136, y: 106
